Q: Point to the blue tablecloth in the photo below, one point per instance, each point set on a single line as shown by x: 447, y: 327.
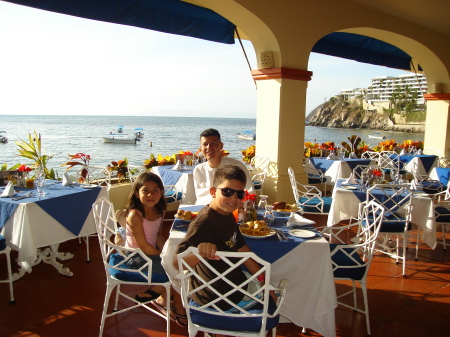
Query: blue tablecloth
x: 324, y: 164
x: 169, y: 176
x: 70, y: 206
x: 426, y: 160
x: 261, y: 246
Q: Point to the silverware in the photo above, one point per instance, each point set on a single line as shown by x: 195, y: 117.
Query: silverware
x: 23, y: 197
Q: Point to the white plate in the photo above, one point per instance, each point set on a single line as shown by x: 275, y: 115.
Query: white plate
x: 89, y: 186
x: 271, y: 233
x: 349, y: 187
x: 302, y: 233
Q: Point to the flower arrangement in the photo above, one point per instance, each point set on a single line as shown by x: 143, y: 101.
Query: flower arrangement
x: 225, y: 153
x: 149, y: 163
x: 24, y: 168
x: 248, y: 154
x: 79, y: 159
x: 409, y: 143
x: 387, y: 145
x: 120, y: 167
x: 377, y: 173
x: 327, y: 146
x: 167, y: 160
x: 249, y: 196
x: 312, y: 149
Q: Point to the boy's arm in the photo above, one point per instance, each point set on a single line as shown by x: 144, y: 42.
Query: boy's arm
x: 205, y: 249
x: 251, y: 265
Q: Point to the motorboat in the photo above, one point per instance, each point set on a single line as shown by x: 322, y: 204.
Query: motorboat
x: 120, y: 129
x: 3, y: 138
x: 139, y: 132
x: 248, y: 135
x: 120, y: 139
x: 377, y: 135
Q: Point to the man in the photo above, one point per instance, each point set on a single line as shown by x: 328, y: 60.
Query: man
x: 211, y: 147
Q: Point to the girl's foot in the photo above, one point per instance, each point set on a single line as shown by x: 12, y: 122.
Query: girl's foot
x: 148, y: 295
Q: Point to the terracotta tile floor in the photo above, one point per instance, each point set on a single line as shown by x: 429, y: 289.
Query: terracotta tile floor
x: 49, y: 304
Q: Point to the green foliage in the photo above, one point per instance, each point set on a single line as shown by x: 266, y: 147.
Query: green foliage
x: 417, y: 116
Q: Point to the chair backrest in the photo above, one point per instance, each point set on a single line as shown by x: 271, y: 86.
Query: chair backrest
x: 260, y: 168
x: 372, y: 155
x: 115, y: 257
x: 194, y: 285
x: 306, y: 196
x: 359, y: 169
x: 395, y: 199
x: 134, y: 171
x: 359, y: 254
x: 444, y: 162
x: 172, y: 194
x: 311, y: 170
x: 390, y: 160
x: 95, y: 175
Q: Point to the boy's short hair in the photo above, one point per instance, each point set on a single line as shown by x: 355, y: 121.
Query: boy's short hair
x: 229, y: 172
x: 210, y: 133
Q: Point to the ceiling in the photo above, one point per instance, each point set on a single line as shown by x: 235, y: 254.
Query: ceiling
x: 431, y: 14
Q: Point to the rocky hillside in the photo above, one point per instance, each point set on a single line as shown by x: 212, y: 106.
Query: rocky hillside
x: 341, y: 114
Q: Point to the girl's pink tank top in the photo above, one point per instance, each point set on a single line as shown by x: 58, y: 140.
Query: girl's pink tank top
x: 151, y: 229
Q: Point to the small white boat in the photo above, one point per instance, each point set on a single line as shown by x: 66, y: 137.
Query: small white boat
x: 120, y: 139
x: 3, y: 138
x: 139, y: 132
x: 248, y: 135
x: 377, y: 135
x: 120, y: 129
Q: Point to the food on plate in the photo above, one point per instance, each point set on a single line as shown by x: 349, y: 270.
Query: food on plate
x: 255, y: 228
x: 186, y: 215
x: 279, y: 205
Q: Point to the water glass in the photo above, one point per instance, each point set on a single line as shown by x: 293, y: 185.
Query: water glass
x: 262, y: 204
x: 269, y: 218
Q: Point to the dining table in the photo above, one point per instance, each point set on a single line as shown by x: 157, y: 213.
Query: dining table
x: 442, y: 174
x: 346, y: 200
x: 30, y: 222
x: 418, y: 164
x: 336, y: 169
x: 182, y: 179
x: 310, y: 299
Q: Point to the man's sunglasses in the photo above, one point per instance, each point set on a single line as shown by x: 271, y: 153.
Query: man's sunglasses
x: 229, y: 192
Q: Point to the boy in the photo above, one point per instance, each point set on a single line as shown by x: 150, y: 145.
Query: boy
x: 211, y: 147
x: 215, y: 229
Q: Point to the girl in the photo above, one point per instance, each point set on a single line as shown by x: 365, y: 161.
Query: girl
x: 145, y: 214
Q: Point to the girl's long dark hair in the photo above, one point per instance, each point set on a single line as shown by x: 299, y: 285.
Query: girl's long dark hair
x: 135, y: 203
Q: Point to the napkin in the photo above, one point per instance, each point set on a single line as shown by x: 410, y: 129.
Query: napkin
x: 353, y: 156
x: 350, y: 180
x: 9, y: 190
x: 402, y: 152
x: 297, y: 220
x: 419, y: 152
x: 177, y: 166
x: 332, y: 157
x: 66, y: 180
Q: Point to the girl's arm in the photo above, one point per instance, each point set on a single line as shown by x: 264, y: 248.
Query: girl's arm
x: 135, y: 221
x: 159, y: 238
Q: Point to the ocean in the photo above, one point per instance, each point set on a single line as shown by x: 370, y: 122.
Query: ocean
x: 63, y: 135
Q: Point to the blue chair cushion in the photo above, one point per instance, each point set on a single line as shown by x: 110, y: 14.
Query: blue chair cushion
x: 131, y: 276
x: 234, y: 323
x: 444, y: 214
x: 257, y: 185
x: 2, y: 242
x: 170, y: 195
x: 341, y: 259
x: 316, y: 179
x: 432, y: 187
x: 309, y: 205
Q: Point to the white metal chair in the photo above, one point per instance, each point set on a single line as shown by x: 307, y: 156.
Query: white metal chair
x: 397, y: 203
x: 390, y: 160
x: 315, y: 176
x: 95, y: 175
x: 213, y: 316
x: 5, y: 249
x: 117, y: 271
x: 428, y: 185
x: 352, y: 261
x: 372, y: 155
x: 309, y: 198
x: 259, y: 169
x: 444, y: 162
x: 134, y: 172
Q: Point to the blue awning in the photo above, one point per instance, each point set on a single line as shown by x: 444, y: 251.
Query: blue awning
x: 363, y: 49
x: 168, y: 16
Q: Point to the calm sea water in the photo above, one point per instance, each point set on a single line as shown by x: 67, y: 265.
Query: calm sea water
x: 62, y: 135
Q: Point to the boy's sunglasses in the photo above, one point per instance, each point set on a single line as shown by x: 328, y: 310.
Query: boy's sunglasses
x: 229, y: 192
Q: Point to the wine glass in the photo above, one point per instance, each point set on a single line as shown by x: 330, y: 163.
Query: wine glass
x: 40, y: 181
x: 262, y: 204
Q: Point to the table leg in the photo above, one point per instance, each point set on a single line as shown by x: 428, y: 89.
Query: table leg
x: 49, y: 255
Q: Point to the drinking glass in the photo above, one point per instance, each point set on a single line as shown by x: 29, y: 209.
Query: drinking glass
x: 262, y: 204
x: 269, y: 218
x: 40, y: 181
x: 395, y: 175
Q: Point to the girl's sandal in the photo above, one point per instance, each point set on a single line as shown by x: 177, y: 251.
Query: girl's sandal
x: 181, y: 320
x: 153, y: 296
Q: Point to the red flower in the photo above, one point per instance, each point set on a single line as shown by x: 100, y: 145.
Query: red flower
x: 377, y: 173
x: 24, y: 168
x: 248, y: 196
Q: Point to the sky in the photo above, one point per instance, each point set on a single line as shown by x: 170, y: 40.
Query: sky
x: 54, y: 64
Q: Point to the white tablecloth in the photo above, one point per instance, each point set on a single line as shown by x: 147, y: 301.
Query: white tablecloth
x: 30, y: 228
x: 311, y: 293
x: 185, y: 185
x: 339, y: 169
x: 415, y: 166
x: 345, y: 206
